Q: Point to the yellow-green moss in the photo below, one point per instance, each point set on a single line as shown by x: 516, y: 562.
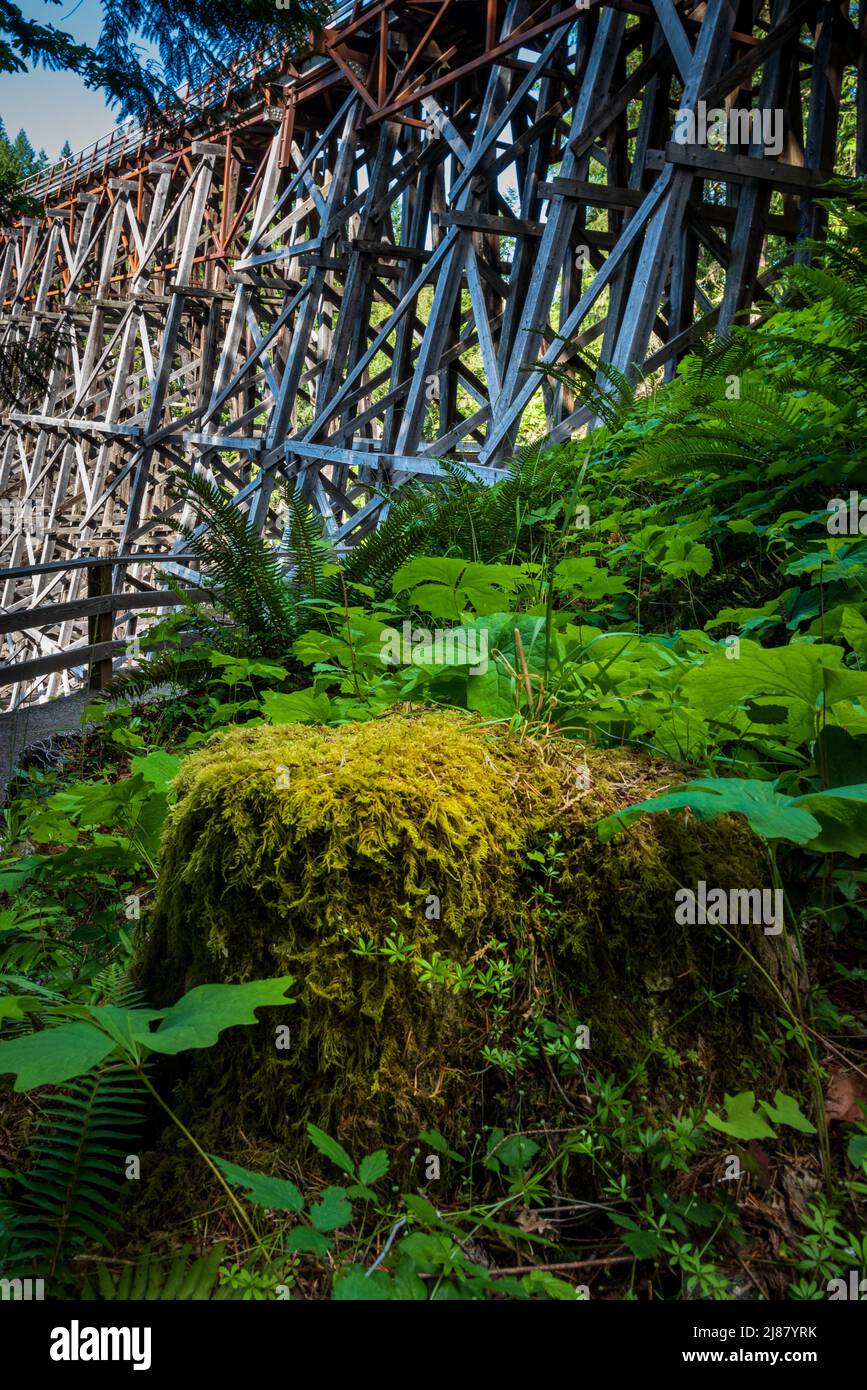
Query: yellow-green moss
x: 289, y: 844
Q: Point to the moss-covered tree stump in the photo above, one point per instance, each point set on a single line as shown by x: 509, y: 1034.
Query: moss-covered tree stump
x: 440, y: 895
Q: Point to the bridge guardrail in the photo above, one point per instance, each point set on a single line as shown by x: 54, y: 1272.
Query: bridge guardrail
x: 101, y: 607
x: 109, y: 150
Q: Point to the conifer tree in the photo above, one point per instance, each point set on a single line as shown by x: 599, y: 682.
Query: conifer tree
x: 192, y: 38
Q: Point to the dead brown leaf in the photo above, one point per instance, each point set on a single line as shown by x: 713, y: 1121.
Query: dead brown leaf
x: 845, y: 1090
x: 533, y: 1223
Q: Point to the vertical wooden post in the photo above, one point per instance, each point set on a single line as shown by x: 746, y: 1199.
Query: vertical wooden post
x: 287, y: 134
x: 99, y: 625
x: 382, y: 84
x: 491, y: 24
x: 824, y: 115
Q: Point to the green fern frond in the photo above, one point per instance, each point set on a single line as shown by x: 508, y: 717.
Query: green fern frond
x: 172, y: 667
x: 716, y: 355
x: 248, y: 580
x: 72, y: 1188
x: 112, y: 985
x: 601, y: 387
x: 26, y: 940
x: 152, y: 1277
x: 673, y: 455
x: 309, y: 549
x: 380, y: 554
x: 817, y: 283
x: 759, y: 408
x: 621, y: 388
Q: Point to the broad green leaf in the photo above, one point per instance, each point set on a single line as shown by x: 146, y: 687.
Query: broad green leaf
x: 841, y: 757
x: 446, y: 587
x: 422, y: 1209
x: 517, y: 1152
x: 644, y: 1245
x: 332, y: 1211
x: 302, y: 1238
x: 797, y: 675
x: 437, y: 1143
x: 582, y: 576
x: 54, y: 1055
x: 99, y: 803
x: 541, y: 1281
x: 626, y: 1222
x: 297, y: 707
x: 353, y: 1284
x: 429, y: 1252
x: 373, y: 1167
x: 331, y: 1149
x: 842, y: 816
x: 159, y: 768
x: 274, y: 1194
x: 684, y: 556
x: 857, y: 1150
x: 199, y: 1018
x: 408, y: 1287
x: 239, y: 668
x: 492, y: 692
x: 845, y: 686
x: 146, y: 824
x: 770, y: 813
x: 130, y: 1028
x: 19, y: 1005
x: 786, y: 1111
x: 743, y: 1122
x: 766, y: 712
x: 754, y: 619
x: 847, y: 563
x: 52, y: 826
x: 853, y: 626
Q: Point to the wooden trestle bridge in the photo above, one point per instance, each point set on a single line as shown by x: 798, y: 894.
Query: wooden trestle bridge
x: 341, y: 266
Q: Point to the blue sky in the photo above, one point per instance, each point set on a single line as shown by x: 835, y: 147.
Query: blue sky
x: 56, y: 106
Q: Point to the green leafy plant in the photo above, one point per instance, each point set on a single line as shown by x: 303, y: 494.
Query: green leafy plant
x: 68, y: 1196
x: 174, y: 1278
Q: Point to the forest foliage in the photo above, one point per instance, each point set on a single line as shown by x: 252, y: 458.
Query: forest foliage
x: 686, y: 580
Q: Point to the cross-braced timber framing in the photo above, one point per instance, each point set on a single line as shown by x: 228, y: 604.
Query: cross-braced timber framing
x: 347, y: 265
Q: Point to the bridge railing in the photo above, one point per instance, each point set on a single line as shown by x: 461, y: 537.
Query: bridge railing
x: 128, y: 140
x: 104, y: 608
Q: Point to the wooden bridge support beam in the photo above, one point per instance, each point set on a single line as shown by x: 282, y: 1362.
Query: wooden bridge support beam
x: 349, y: 266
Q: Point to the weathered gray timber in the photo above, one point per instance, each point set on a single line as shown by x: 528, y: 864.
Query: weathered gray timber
x: 344, y: 266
